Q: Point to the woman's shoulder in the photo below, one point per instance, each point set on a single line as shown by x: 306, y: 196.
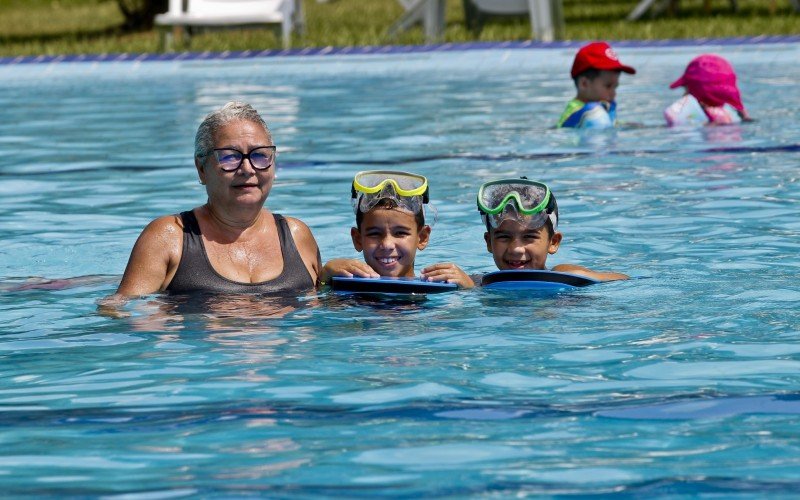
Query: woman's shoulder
x: 296, y: 225
x: 167, y: 222
x: 301, y: 233
x: 164, y: 228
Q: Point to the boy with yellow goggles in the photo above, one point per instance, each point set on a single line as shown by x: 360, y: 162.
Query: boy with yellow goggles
x: 390, y: 229
x: 410, y: 191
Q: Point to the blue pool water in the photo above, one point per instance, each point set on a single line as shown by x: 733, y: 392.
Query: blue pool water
x: 685, y: 380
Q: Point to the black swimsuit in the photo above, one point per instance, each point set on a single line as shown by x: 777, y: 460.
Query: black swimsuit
x: 195, y: 273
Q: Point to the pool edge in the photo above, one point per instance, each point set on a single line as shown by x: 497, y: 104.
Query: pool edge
x: 387, y: 49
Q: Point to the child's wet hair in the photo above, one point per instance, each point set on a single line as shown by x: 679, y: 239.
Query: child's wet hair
x: 548, y: 224
x: 390, y: 204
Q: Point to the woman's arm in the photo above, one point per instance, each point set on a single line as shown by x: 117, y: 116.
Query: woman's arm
x: 154, y: 258
x: 307, y: 246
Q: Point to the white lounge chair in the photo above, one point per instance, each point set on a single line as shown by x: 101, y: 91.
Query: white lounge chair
x: 547, y: 18
x: 286, y: 14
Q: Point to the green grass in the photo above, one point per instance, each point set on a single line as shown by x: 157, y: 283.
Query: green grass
x: 53, y: 27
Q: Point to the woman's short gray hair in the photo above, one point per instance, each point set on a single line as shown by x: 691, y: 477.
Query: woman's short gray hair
x: 234, y: 110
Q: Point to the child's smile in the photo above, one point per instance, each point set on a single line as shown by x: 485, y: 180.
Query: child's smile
x: 515, y: 246
x: 390, y: 239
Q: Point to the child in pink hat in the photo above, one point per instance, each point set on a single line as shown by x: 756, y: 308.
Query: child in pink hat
x: 712, y: 96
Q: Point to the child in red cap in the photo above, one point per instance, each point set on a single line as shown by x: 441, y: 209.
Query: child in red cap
x: 596, y: 71
x: 711, y: 97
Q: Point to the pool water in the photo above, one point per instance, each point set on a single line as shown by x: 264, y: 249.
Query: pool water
x: 682, y: 381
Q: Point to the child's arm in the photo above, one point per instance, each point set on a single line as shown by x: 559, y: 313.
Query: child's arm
x: 347, y: 268
x: 598, y: 275
x: 449, y: 272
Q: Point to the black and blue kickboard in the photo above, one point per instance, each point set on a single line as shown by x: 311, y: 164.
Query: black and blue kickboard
x: 531, y: 279
x: 390, y: 285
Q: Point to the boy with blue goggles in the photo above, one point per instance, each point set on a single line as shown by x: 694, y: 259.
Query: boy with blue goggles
x: 521, y: 219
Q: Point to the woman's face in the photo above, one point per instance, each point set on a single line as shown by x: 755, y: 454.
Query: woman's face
x: 245, y: 185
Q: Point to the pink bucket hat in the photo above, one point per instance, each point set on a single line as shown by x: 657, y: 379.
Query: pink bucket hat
x: 712, y: 81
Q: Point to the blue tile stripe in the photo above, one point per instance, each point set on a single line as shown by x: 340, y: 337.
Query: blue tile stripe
x: 388, y: 49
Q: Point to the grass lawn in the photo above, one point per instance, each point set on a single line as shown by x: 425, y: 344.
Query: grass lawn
x: 53, y: 27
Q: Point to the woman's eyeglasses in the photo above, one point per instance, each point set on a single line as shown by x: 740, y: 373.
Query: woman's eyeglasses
x: 230, y: 159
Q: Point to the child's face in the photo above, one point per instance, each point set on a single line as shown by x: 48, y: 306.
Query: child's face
x: 390, y: 239
x: 602, y: 88
x: 515, y: 246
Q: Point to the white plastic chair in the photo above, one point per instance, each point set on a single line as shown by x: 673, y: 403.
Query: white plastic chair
x: 287, y: 14
x: 547, y: 21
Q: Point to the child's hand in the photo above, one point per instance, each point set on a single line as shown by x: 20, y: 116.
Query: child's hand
x: 347, y: 268
x: 449, y: 272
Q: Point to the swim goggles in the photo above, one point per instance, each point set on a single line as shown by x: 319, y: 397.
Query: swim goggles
x: 409, y: 191
x: 528, y: 202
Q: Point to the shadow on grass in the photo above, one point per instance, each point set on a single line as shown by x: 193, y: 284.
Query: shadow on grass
x: 613, y: 11
x: 89, y: 35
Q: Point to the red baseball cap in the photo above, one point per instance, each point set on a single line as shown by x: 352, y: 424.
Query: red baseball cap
x: 598, y: 55
x: 711, y: 79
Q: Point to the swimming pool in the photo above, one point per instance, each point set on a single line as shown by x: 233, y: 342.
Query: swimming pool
x: 684, y: 381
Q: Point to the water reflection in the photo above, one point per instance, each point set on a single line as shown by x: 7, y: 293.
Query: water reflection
x: 210, y: 313
x: 729, y: 134
x: 41, y: 283
x: 384, y: 303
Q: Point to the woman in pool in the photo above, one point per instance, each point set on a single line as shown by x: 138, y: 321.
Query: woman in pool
x: 232, y: 243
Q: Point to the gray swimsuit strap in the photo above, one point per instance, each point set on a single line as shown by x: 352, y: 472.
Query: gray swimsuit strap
x: 195, y: 273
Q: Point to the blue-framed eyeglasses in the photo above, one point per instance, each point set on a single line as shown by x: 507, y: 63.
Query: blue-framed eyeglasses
x: 230, y: 159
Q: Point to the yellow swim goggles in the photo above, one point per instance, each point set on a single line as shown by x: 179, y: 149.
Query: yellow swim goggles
x: 410, y: 191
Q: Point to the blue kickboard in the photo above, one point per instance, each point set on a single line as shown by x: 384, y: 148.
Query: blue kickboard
x: 531, y: 279
x: 390, y: 285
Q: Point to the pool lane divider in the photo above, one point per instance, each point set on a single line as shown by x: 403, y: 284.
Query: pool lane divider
x: 387, y: 49
x: 790, y: 148
x: 556, y: 155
